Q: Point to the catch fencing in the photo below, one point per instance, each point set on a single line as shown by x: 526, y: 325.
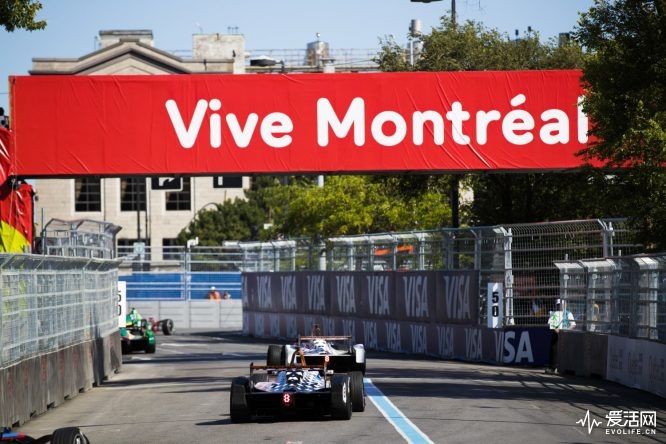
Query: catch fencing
x: 521, y: 257
x: 622, y: 296
x: 49, y: 303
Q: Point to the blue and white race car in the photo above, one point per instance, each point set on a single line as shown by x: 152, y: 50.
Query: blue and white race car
x: 275, y: 390
x: 64, y: 435
x: 337, y: 352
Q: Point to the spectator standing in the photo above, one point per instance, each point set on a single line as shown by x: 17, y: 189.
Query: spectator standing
x: 213, y: 294
x: 226, y: 295
x: 560, y: 319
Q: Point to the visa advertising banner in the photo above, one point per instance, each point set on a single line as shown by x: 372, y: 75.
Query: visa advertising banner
x: 343, y: 122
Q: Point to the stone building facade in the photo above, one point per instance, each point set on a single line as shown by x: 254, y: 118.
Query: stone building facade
x: 147, y: 212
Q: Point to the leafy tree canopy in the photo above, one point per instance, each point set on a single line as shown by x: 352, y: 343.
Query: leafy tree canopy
x: 625, y: 76
x: 20, y: 14
x: 237, y: 220
x: 348, y: 205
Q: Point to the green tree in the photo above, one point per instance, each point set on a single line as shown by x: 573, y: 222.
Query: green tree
x: 348, y: 205
x: 625, y: 77
x: 237, y: 220
x: 539, y: 197
x: 20, y: 14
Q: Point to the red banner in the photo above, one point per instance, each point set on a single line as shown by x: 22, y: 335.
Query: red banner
x: 6, y: 154
x: 15, y: 203
x: 345, y: 122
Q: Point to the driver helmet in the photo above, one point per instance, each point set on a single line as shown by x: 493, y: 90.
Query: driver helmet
x: 294, y: 376
x: 319, y: 343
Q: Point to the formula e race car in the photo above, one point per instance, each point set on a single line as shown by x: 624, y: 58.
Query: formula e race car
x: 137, y: 335
x: 276, y: 390
x: 65, y: 435
x: 337, y: 352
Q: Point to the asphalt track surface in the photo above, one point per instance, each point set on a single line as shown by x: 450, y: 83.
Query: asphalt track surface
x: 180, y: 394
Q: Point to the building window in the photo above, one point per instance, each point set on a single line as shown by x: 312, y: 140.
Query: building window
x: 228, y: 182
x: 133, y: 194
x: 179, y: 200
x: 171, y: 249
x: 88, y: 194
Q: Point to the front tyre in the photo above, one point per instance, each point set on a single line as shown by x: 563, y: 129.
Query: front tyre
x: 167, y: 327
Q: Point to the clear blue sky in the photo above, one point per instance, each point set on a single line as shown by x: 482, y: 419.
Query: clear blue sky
x: 266, y: 24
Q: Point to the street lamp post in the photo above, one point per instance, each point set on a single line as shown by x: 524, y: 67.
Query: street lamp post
x: 455, y: 179
x: 453, y: 6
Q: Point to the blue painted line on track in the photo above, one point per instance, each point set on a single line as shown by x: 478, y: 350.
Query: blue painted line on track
x: 404, y: 426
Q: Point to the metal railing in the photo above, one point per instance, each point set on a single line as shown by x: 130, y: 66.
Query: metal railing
x: 343, y: 59
x: 78, y: 238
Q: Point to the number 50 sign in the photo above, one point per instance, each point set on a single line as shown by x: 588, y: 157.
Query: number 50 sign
x: 495, y: 305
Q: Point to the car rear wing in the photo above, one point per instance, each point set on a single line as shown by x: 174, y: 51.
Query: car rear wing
x: 292, y: 365
x: 327, y: 338
x: 286, y: 367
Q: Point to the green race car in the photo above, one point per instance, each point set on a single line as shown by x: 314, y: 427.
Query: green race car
x: 137, y: 334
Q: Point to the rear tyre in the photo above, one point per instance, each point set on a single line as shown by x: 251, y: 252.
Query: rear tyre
x: 68, y: 435
x: 275, y: 355
x: 357, y: 391
x: 150, y: 348
x: 238, y: 408
x: 167, y: 327
x: 341, y: 403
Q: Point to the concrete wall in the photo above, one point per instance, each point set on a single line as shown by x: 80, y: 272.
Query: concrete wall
x: 226, y: 314
x: 583, y: 354
x: 38, y: 384
x: 636, y: 363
